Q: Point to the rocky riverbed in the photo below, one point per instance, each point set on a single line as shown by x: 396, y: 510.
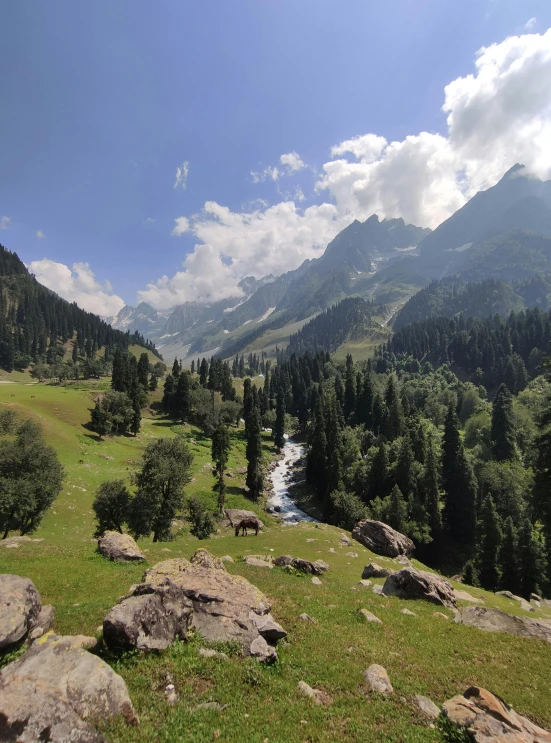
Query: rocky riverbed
x: 280, y: 501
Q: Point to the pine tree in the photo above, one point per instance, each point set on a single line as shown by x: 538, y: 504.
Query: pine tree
x: 490, y: 539
x: 542, y: 487
x: 204, y: 373
x: 431, y: 498
x: 255, y: 478
x: 404, y: 474
x: 220, y: 447
x: 192, y: 368
x: 176, y: 368
x: 531, y: 559
x: 395, y: 421
x: 279, y: 427
x: 349, y: 405
x: 143, y: 370
x: 182, y: 397
x: 365, y: 402
x: 508, y: 559
x: 397, y: 518
x: 316, y: 462
x: 459, y: 483
x: 503, y: 427
x: 379, y: 481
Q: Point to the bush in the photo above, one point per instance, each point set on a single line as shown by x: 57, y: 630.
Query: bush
x: 347, y: 509
x: 111, y: 506
x: 202, y: 524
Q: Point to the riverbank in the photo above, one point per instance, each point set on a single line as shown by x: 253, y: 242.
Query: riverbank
x: 291, y: 500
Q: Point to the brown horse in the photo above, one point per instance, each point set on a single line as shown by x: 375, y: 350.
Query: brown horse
x: 245, y: 524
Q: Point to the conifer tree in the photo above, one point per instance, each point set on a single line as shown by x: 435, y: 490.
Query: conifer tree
x: 398, y: 511
x: 204, y: 373
x: 182, y: 397
x: 316, y: 462
x: 379, y: 481
x: 279, y: 427
x: 531, y: 559
x: 503, y: 427
x: 349, y: 404
x: 143, y: 370
x: 404, y: 474
x: 490, y: 538
x: 459, y: 483
x: 192, y: 368
x: 365, y: 402
x: 395, y: 420
x: 255, y: 478
x: 431, y: 498
x: 176, y: 368
x: 509, y: 559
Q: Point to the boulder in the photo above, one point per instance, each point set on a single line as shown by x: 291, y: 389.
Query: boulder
x: 377, y: 679
x: 489, y: 720
x: 204, y: 559
x: 176, y: 595
x: 523, y: 603
x: 119, y: 547
x: 149, y: 619
x: 317, y: 695
x: 381, y: 539
x: 369, y: 617
x: 364, y: 583
x: 494, y: 620
x: 409, y: 583
x: 373, y: 570
x: 258, y: 561
x: 464, y: 596
x: 45, y: 620
x: 403, y: 560
x: 20, y: 608
x: 305, y: 566
x: 50, y: 692
x: 209, y: 653
x: 316, y: 581
x: 426, y: 706
x: 235, y: 515
x: 345, y: 541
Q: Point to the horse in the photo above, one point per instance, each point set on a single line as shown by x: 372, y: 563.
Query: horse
x: 245, y: 524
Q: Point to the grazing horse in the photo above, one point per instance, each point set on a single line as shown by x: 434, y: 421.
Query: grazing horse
x: 245, y: 524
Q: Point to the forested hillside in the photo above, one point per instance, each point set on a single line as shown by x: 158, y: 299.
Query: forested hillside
x: 453, y: 296
x: 35, y: 323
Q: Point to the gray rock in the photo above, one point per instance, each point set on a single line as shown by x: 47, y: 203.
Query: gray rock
x: 369, y: 617
x: 209, y: 653
x: 316, y: 581
x: 149, y: 619
x: 489, y: 720
x: 378, y: 589
x: 345, y: 541
x: 377, y: 679
x: 464, y: 596
x: 494, y: 620
x: 427, y: 706
x: 258, y: 562
x: 535, y: 597
x: 381, y: 539
x: 226, y: 558
x: 19, y: 609
x: 318, y: 696
x: 177, y: 595
x: 119, y: 547
x: 45, y: 620
x: 203, y: 558
x: 307, y: 618
x: 409, y: 583
x: 523, y: 603
x: 51, y: 691
x: 365, y: 583
x: 403, y: 560
x: 305, y: 566
x: 212, y: 705
x: 373, y: 570
x: 408, y: 613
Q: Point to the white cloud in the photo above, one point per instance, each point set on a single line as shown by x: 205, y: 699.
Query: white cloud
x: 530, y: 23
x: 4, y: 223
x: 266, y: 174
x: 181, y: 176
x: 496, y: 116
x: 181, y: 225
x: 77, y: 284
x: 149, y: 220
x: 292, y: 162
x: 40, y: 234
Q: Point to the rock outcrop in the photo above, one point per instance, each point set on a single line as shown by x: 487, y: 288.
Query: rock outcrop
x: 489, y: 720
x: 495, y: 620
x: 119, y: 547
x: 50, y: 692
x: 373, y: 570
x: 409, y: 583
x: 381, y: 539
x: 176, y: 595
x: 20, y: 607
x: 522, y: 602
x: 305, y: 566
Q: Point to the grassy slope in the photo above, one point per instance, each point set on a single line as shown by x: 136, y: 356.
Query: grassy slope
x: 423, y: 654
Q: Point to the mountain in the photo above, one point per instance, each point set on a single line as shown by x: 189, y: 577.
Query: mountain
x: 517, y: 202
x: 35, y: 322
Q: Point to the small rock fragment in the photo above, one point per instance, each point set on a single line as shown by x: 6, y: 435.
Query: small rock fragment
x: 209, y: 653
x: 316, y: 581
x: 408, y: 613
x: 307, y: 618
x: 369, y: 617
x: 440, y: 614
x: 373, y: 570
x: 364, y: 583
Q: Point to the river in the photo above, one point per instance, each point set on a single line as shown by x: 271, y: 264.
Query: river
x: 280, y: 477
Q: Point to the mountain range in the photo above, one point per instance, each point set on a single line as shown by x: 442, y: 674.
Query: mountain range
x: 502, y: 233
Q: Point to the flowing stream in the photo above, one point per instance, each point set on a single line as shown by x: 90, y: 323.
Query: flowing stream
x: 280, y: 476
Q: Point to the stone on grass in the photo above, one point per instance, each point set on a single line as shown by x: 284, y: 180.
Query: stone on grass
x: 426, y: 706
x: 409, y: 583
x: 365, y: 583
x: 408, y: 613
x: 258, y: 562
x: 119, y: 547
x: 177, y: 595
x: 345, y: 541
x: 440, y: 614
x: 317, y: 695
x: 373, y: 570
x: 307, y: 618
x: 378, y: 589
x: 20, y: 608
x: 209, y: 653
x: 377, y: 679
x: 226, y: 558
x: 316, y: 581
x: 495, y: 620
x: 212, y: 705
x: 304, y: 566
x: 369, y: 617
x: 51, y: 692
x: 489, y: 720
x: 523, y: 603
x: 464, y: 596
x: 382, y: 539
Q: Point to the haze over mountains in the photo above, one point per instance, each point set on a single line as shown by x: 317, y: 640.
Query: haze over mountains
x: 503, y: 233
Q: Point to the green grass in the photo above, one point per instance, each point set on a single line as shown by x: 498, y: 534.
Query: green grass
x: 423, y: 654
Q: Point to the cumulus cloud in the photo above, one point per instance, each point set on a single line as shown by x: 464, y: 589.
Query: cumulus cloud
x: 40, y: 234
x: 4, y: 223
x: 181, y: 225
x: 77, y: 284
x: 496, y: 116
x: 181, y: 176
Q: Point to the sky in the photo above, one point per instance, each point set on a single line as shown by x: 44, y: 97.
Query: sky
x: 162, y: 151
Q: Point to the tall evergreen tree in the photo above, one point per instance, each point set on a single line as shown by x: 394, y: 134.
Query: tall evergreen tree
x: 143, y: 370
x: 531, y: 558
x: 395, y: 421
x: 279, y: 427
x: 349, y: 405
x: 255, y: 478
x: 182, y: 398
x: 490, y: 538
x: 431, y: 497
x: 459, y: 483
x: 503, y: 427
x: 204, y: 373
x: 398, y: 510
x: 509, y: 559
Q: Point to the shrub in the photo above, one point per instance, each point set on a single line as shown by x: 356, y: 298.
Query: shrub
x: 202, y: 524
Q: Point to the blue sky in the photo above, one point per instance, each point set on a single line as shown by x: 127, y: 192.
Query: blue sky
x: 103, y: 101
